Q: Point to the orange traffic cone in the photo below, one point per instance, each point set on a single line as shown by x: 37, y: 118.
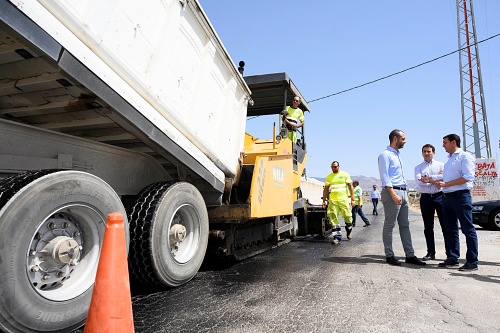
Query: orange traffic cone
x: 111, y: 306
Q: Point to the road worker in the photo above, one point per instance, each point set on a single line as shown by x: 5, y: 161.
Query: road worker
x: 293, y: 118
x: 338, y: 185
x: 357, y: 209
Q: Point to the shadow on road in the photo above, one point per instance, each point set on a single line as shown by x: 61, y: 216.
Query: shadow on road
x: 366, y: 259
x: 482, y: 278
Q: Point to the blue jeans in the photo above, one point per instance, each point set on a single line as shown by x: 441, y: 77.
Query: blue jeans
x: 396, y: 213
x: 458, y: 205
x: 358, y: 211
x: 375, y: 203
x: 428, y: 206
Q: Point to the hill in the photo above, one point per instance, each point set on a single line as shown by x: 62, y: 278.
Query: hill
x: 366, y: 183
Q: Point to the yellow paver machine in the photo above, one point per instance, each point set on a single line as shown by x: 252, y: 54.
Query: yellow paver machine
x: 266, y: 206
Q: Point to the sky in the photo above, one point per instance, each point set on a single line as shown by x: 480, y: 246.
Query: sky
x: 333, y: 45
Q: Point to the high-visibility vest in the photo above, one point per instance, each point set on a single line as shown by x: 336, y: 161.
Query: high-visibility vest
x: 358, y: 195
x: 338, y: 185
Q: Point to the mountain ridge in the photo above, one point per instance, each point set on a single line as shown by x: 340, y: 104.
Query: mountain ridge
x: 366, y: 183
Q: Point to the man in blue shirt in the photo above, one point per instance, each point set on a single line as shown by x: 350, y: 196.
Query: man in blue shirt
x: 395, y: 200
x: 458, y: 180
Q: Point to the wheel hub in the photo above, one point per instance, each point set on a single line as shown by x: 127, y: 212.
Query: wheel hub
x: 177, y: 233
x: 54, y: 252
x: 63, y: 250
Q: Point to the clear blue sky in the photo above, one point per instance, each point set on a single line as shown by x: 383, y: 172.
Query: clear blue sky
x: 331, y: 45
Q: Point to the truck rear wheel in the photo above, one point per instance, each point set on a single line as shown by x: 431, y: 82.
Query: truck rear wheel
x: 51, y: 230
x: 169, y: 234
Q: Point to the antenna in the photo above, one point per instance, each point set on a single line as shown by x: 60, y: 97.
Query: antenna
x: 476, y: 139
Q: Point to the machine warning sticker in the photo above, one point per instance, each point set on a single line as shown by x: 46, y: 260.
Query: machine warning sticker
x: 261, y: 179
x: 278, y: 176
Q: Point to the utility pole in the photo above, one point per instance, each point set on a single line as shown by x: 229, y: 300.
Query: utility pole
x: 476, y: 139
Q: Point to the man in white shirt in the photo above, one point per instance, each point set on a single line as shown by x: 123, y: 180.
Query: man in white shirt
x: 375, y: 196
x: 427, y: 174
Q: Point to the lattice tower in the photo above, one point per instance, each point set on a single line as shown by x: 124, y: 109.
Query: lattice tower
x: 476, y: 138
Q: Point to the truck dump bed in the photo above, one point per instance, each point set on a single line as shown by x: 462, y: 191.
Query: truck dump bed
x: 152, y: 79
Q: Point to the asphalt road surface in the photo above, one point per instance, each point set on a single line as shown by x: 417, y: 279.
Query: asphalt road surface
x: 314, y: 286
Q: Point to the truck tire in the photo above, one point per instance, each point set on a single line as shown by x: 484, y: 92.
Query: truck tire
x: 169, y: 234
x: 51, y: 229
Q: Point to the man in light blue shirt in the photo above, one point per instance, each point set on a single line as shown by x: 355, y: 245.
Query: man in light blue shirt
x: 458, y: 180
x: 395, y: 200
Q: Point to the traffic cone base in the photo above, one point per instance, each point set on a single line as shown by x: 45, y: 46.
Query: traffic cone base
x: 111, y: 305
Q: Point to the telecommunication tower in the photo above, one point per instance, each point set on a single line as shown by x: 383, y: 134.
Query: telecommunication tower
x: 476, y: 139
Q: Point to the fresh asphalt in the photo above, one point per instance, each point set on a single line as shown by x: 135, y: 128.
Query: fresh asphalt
x: 310, y: 285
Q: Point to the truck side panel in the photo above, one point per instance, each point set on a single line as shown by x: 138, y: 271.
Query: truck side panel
x: 47, y: 87
x: 312, y: 190
x: 43, y: 149
x: 166, y: 62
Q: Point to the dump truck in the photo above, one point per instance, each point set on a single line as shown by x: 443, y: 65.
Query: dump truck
x: 119, y: 106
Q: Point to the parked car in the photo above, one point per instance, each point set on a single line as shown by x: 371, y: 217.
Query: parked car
x: 486, y: 214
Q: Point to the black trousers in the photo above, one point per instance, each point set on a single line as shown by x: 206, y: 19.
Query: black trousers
x: 429, y: 205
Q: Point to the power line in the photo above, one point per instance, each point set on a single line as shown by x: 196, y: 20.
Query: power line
x: 397, y: 73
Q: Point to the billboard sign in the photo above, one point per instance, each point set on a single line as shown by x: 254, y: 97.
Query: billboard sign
x: 486, y: 180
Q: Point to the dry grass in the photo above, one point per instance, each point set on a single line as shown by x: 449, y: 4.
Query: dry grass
x: 414, y: 202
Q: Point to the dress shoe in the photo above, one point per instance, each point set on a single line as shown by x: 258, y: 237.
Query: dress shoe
x: 429, y: 257
x: 366, y: 224
x: 415, y: 261
x: 392, y: 261
x: 448, y: 262
x: 468, y: 267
